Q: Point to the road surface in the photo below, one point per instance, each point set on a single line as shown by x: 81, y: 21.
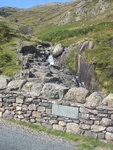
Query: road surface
x: 15, y: 137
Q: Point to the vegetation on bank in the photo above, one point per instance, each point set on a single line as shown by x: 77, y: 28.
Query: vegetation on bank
x: 58, y: 33
x: 10, y: 39
x: 8, y: 60
x: 85, y: 143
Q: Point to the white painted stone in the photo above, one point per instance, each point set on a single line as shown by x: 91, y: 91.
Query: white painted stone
x: 62, y: 123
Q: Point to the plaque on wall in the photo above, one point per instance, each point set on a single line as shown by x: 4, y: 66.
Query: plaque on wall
x: 65, y: 111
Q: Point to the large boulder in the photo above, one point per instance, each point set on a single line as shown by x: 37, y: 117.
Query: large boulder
x: 16, y: 84
x: 4, y: 82
x: 108, y: 101
x: 106, y: 122
x: 95, y: 99
x: 32, y: 88
x: 58, y: 50
x: 54, y: 91
x: 77, y: 95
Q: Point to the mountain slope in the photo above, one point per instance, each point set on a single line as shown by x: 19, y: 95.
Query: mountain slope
x: 71, y: 23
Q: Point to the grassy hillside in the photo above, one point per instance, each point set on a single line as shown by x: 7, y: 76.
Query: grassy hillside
x: 4, y: 32
x: 88, y: 21
x: 7, y: 57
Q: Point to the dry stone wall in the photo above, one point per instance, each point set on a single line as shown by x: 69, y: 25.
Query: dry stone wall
x: 66, y: 116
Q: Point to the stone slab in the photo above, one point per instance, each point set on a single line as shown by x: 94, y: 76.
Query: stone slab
x: 65, y: 111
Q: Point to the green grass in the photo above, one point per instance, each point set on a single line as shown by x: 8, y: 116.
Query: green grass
x: 58, y: 33
x: 4, y: 32
x: 70, y: 61
x: 85, y: 143
x: 8, y: 60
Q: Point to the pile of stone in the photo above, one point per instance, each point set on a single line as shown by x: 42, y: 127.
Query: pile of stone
x: 37, y: 76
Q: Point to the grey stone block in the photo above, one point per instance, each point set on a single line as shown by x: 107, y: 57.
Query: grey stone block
x: 101, y: 135
x: 110, y: 129
x: 72, y: 127
x: 65, y: 111
x: 84, y: 116
x: 41, y: 108
x: 96, y: 128
x: 91, y: 134
x: 32, y: 107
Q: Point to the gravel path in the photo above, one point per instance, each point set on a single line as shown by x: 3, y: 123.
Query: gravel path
x: 15, y: 137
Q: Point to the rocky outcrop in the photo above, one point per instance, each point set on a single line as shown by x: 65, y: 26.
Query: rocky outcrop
x: 84, y: 69
x: 64, y: 19
x: 7, y: 11
x: 82, y: 9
